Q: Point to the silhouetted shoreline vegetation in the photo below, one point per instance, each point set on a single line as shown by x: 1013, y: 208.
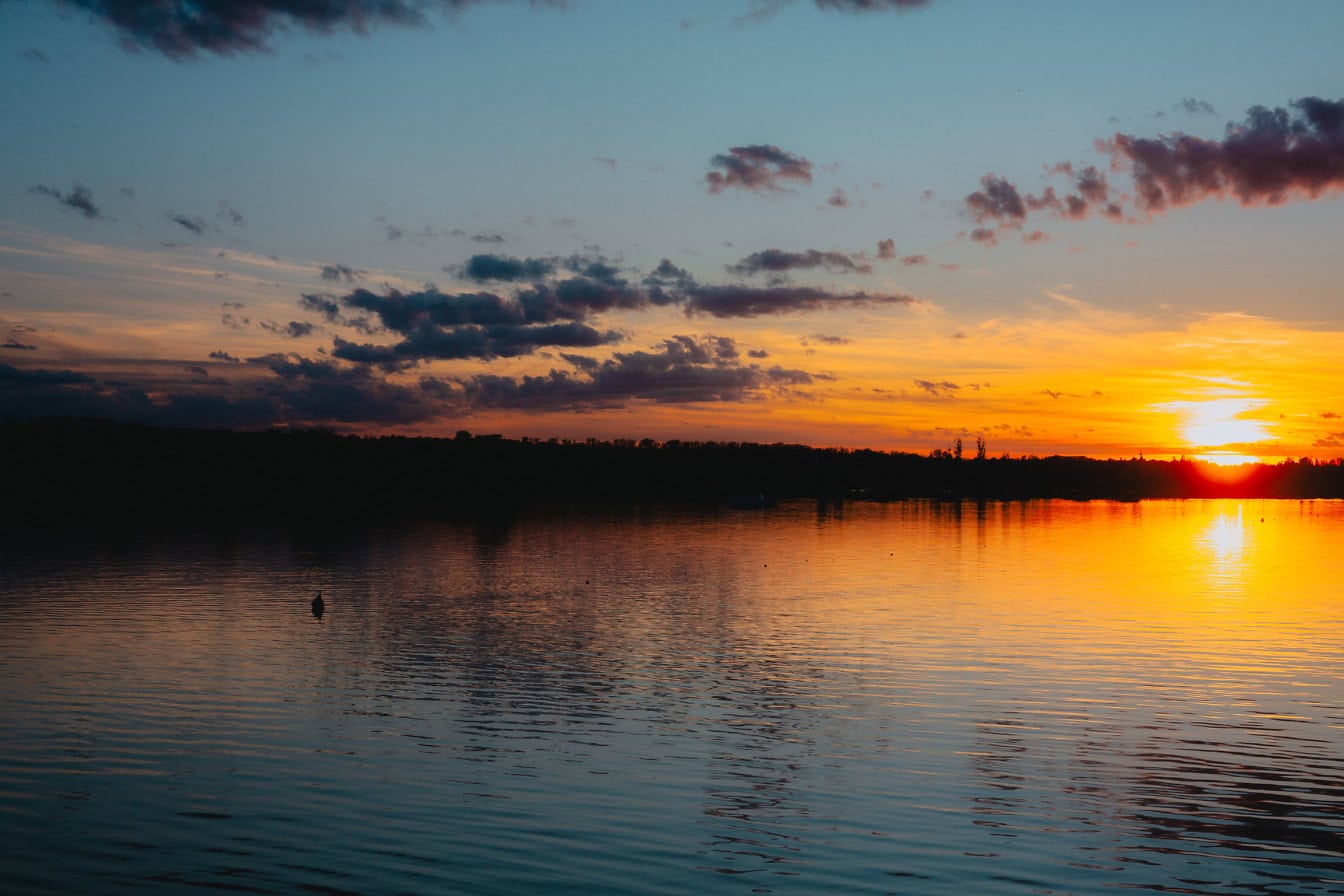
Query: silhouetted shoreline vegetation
x: 89, y: 470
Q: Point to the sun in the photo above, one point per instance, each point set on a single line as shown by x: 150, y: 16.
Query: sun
x: 1218, y: 431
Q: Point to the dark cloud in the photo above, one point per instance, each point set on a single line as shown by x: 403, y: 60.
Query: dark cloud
x: 11, y: 376
x: 80, y: 199
x: 1272, y: 156
x: 487, y: 238
x: 295, y: 329
x: 744, y: 301
x: 473, y: 341
x: 195, y: 225
x: 483, y: 268
x: 684, y: 369
x: 996, y: 200
x: 759, y: 167
x: 18, y: 346
x: 341, y: 271
x: 942, y: 389
x: 886, y: 249
x: 778, y: 261
x: 218, y: 355
x: 182, y: 30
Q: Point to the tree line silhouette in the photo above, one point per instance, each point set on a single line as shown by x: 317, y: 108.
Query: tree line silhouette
x: 85, y: 470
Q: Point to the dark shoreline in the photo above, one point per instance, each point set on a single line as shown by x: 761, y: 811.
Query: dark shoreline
x: 84, y: 471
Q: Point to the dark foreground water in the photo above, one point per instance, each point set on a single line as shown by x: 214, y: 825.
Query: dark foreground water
x: 910, y: 698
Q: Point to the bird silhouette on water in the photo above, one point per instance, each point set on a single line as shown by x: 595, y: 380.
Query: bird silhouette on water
x: 319, y: 605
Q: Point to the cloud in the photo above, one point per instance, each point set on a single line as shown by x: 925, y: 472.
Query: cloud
x: 483, y: 268
x: 295, y: 329
x: 683, y: 369
x: 33, y: 54
x: 182, y: 30
x: 778, y: 261
x: 943, y: 389
x: 18, y: 346
x: 340, y: 271
x: 228, y: 213
x: 886, y: 249
x: 219, y: 355
x: 745, y: 301
x: 195, y: 225
x: 605, y: 160
x: 80, y: 199
x: 1191, y: 106
x: 484, y: 325
x: 996, y: 200
x: 838, y: 198
x: 1272, y: 156
x: 759, y: 168
x: 871, y: 5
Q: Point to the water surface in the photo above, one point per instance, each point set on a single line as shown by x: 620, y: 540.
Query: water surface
x: 1040, y: 697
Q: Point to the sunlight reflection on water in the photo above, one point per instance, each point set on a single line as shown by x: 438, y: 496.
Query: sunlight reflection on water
x: 914, y: 698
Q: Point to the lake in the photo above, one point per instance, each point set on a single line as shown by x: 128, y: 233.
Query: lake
x: 915, y: 697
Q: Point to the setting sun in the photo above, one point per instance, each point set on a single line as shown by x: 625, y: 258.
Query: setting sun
x: 1217, y: 429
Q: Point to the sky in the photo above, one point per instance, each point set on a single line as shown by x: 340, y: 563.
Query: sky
x: 1102, y: 229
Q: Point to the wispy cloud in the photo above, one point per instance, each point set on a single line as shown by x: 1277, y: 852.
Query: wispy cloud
x: 79, y: 198
x: 182, y: 30
x: 778, y: 261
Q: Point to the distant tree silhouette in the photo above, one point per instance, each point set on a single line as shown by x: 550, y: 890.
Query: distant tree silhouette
x: 68, y: 471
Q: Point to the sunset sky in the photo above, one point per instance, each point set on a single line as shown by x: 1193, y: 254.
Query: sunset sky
x: 1101, y: 229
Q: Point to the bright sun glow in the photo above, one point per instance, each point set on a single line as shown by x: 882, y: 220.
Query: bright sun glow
x: 1217, y: 428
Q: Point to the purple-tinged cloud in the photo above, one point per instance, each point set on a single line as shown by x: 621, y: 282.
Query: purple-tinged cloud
x: 759, y: 168
x: 838, y: 199
x: 996, y: 200
x: 1271, y: 157
x: 80, y: 199
x: 942, y: 389
x: 778, y: 261
x: 886, y: 249
x: 180, y: 30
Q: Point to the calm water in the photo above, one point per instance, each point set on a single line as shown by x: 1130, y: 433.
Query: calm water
x: 910, y: 698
